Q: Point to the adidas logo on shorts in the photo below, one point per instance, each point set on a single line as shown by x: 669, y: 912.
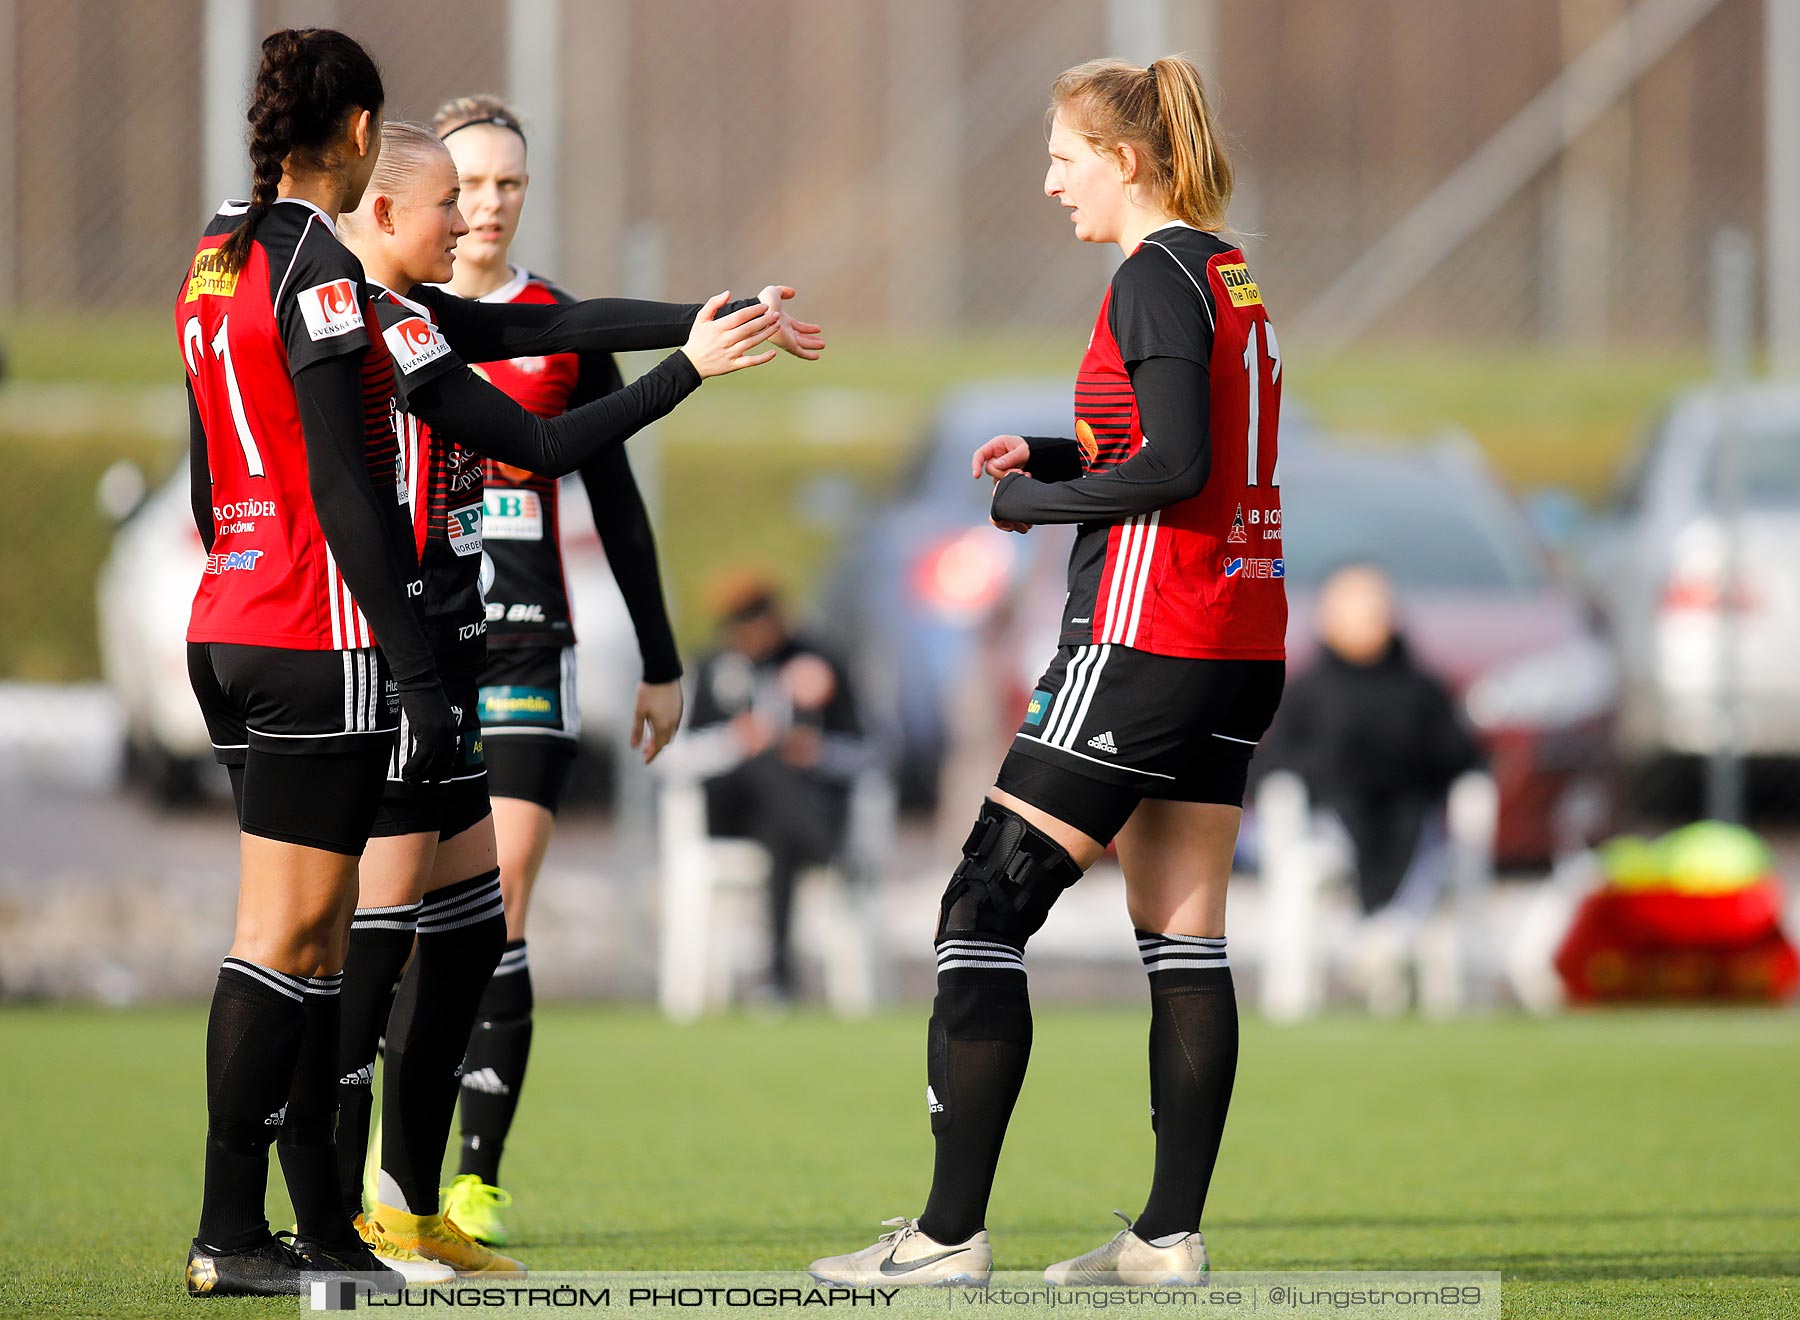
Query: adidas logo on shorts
x: 1103, y: 742
x: 931, y: 1101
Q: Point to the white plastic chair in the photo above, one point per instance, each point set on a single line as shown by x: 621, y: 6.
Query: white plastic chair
x: 836, y: 914
x: 1307, y: 927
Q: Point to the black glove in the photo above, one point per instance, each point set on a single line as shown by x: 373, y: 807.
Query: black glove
x: 431, y: 731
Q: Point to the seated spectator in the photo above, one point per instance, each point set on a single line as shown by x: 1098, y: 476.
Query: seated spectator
x: 1378, y: 741
x: 775, y: 726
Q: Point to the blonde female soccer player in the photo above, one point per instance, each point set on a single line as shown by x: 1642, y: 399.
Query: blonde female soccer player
x: 529, y: 706
x: 1169, y: 670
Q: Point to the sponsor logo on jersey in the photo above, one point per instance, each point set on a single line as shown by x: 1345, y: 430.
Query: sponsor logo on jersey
x: 238, y: 561
x: 521, y: 705
x: 1090, y: 446
x: 1256, y: 568
x: 465, y: 529
x: 531, y: 366
x: 1039, y: 707
x: 1240, y: 286
x: 208, y: 276
x: 330, y: 309
x: 1238, y: 533
x: 243, y: 509
x: 414, y: 342
x: 513, y: 515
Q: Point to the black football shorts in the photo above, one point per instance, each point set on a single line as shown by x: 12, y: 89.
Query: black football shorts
x: 305, y: 735
x: 1143, y: 726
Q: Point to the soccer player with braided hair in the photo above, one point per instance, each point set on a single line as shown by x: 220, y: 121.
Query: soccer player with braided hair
x: 1170, y: 667
x: 303, y: 646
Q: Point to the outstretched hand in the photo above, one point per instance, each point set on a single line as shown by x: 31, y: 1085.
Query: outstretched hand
x: 801, y: 338
x: 719, y: 347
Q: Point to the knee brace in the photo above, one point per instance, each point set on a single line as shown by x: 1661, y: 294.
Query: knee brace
x: 1011, y: 873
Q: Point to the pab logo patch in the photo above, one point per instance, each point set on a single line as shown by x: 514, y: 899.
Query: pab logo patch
x: 1038, y: 708
x: 330, y: 309
x: 414, y: 342
x: 513, y: 515
x: 1240, y: 286
x: 465, y: 530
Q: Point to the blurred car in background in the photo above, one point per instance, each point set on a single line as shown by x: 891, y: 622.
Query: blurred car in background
x: 146, y: 589
x: 1482, y: 606
x: 1676, y: 574
x: 1480, y: 603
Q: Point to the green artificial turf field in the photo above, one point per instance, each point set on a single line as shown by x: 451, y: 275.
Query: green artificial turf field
x: 1631, y: 1165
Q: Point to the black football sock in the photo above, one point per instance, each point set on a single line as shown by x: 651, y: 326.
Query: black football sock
x: 381, y: 939
x: 978, y: 1045
x: 462, y: 929
x: 494, y: 1069
x: 252, y: 1042
x: 1193, y: 1062
x: 306, y: 1144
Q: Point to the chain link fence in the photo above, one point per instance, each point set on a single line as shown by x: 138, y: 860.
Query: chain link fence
x: 887, y: 155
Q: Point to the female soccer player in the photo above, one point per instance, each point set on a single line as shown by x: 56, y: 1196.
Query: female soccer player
x: 529, y: 708
x: 308, y: 565
x: 432, y: 865
x: 1170, y: 669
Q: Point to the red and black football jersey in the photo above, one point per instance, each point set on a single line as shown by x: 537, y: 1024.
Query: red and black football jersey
x: 270, y: 579
x: 528, y: 593
x: 1203, y: 577
x: 442, y: 480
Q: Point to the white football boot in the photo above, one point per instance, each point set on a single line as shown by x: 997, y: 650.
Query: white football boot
x: 1130, y: 1260
x: 907, y: 1258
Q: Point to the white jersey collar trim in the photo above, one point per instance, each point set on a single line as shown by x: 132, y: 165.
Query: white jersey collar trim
x: 301, y: 201
x: 511, y: 289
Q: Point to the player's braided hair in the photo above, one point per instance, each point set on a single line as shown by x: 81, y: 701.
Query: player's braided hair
x: 309, y: 82
x: 1162, y: 111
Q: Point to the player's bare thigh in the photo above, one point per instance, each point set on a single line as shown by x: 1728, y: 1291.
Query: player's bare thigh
x: 522, y: 830
x: 294, y: 906
x: 1177, y: 861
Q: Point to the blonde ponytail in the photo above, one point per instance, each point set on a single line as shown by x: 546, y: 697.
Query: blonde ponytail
x: 1200, y: 177
x: 1162, y: 113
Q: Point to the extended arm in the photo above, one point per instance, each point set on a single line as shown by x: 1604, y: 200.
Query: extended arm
x: 488, y: 332
x: 460, y: 406
x: 1173, y: 398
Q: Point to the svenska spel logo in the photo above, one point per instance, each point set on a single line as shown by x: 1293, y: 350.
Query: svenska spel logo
x: 414, y: 342
x: 330, y: 310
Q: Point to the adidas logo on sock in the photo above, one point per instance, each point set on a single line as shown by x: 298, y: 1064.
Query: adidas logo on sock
x: 931, y: 1101
x: 1103, y: 742
x: 363, y: 1076
x: 487, y: 1081
x: 277, y: 1118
